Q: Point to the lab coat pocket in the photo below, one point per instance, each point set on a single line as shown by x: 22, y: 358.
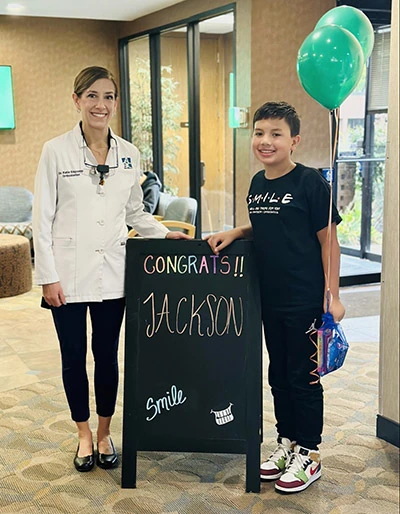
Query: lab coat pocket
x: 116, y: 273
x: 120, y: 251
x: 64, y: 250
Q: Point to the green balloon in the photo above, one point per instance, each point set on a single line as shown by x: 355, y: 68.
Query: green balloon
x: 329, y: 65
x: 355, y: 21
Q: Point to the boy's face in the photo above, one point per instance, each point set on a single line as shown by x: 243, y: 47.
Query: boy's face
x: 272, y: 143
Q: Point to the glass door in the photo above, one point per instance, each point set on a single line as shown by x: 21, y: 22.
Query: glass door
x: 216, y: 138
x: 361, y: 156
x: 139, y: 119
x: 360, y: 177
x: 176, y: 81
x: 174, y: 109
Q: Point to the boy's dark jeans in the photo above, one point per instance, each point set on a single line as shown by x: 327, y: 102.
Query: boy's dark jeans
x: 298, y: 404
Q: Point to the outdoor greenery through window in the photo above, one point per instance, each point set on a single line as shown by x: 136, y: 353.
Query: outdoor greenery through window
x: 141, y: 113
x: 361, y: 162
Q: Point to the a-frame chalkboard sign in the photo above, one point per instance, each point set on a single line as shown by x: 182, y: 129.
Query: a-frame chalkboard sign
x: 192, y: 353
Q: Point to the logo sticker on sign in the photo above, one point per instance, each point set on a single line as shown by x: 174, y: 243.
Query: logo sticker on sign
x: 222, y: 417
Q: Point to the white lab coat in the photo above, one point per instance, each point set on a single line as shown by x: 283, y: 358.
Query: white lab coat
x: 79, y: 226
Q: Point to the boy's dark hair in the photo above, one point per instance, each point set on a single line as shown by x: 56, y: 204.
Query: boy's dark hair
x: 279, y: 110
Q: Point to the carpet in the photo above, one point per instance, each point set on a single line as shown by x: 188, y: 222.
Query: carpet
x: 37, y: 440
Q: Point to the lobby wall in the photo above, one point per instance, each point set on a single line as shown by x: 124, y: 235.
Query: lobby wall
x: 277, y: 34
x: 389, y: 413
x: 46, y: 54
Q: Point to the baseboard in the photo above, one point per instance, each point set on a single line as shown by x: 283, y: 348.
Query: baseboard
x: 388, y: 430
x: 354, y: 280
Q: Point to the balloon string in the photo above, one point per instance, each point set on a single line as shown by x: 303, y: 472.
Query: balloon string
x: 313, y: 333
x: 332, y: 153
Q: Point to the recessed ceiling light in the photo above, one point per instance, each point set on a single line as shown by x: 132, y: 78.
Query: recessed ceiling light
x: 15, y: 8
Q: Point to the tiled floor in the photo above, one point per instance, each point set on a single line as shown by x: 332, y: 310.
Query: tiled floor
x: 362, y: 330
x: 361, y: 323
x: 350, y: 265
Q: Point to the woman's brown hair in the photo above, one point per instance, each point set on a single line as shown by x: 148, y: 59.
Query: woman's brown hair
x: 88, y: 76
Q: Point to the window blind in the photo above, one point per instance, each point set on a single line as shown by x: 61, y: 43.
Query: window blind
x: 379, y: 73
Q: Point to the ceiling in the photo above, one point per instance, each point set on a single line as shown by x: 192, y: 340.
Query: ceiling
x: 128, y: 10
x: 113, y: 10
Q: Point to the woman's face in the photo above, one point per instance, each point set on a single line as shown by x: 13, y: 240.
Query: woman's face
x: 97, y: 104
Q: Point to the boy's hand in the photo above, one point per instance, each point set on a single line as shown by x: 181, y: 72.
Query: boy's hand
x: 220, y: 241
x: 336, y: 308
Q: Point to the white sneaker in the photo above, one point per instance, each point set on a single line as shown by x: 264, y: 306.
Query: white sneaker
x: 303, y: 468
x: 276, y: 463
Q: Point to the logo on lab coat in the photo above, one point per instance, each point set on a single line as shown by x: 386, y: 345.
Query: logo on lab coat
x: 127, y: 162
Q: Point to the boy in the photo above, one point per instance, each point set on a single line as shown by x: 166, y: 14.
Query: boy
x: 288, y: 206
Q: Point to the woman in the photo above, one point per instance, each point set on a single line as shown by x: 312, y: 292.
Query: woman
x: 87, y: 191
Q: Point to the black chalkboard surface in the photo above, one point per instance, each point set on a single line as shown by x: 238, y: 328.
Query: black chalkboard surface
x: 192, y: 353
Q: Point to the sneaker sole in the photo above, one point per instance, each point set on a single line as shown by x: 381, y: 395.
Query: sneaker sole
x: 289, y: 490
x: 269, y: 478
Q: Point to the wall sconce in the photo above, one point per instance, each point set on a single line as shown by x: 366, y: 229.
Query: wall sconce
x: 7, y: 115
x: 238, y: 117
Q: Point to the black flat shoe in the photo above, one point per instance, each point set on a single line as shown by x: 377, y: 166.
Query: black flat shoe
x: 107, y: 460
x: 84, y: 463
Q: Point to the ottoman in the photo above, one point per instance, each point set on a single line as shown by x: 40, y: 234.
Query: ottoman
x: 15, y: 265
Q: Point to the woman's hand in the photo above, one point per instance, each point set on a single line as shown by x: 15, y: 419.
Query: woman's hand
x: 53, y: 294
x: 174, y: 234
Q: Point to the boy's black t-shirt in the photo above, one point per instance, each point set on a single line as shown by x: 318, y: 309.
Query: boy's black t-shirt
x: 286, y: 213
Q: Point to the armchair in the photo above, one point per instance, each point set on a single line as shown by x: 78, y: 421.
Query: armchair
x: 179, y: 208
x: 16, y: 211
x: 182, y: 226
x: 176, y: 213
x: 182, y: 209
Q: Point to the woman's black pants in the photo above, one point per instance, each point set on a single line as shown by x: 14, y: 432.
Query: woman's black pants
x: 71, y: 324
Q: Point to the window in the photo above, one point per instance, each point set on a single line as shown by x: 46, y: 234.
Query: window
x: 361, y: 156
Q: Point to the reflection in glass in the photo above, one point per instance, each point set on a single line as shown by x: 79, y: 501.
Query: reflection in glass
x: 379, y: 138
x: 216, y: 137
x: 378, y: 152
x: 174, y: 105
x: 360, y: 177
x: 352, y: 121
x: 216, y: 67
x: 349, y: 204
x: 140, y: 100
x: 378, y: 171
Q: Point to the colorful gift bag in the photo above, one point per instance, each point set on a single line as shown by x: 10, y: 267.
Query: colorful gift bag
x: 332, y: 345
